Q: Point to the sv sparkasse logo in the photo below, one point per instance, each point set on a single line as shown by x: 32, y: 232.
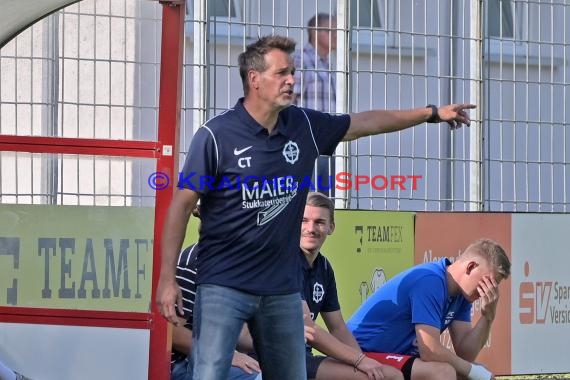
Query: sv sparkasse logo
x: 534, y: 299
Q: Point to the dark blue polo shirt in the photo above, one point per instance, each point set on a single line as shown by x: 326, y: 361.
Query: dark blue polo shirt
x: 253, y: 190
x: 319, y: 286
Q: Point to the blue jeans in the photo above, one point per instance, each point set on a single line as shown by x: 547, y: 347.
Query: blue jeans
x: 237, y: 373
x: 275, y: 322
x: 181, y: 371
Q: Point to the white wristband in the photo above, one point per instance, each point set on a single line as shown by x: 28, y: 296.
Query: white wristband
x: 478, y: 372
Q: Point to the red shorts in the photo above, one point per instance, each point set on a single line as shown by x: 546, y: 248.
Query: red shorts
x: 401, y: 362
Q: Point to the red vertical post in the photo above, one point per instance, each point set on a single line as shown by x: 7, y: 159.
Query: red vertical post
x: 172, y: 48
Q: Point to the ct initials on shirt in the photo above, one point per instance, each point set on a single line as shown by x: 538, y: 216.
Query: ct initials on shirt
x: 244, y: 162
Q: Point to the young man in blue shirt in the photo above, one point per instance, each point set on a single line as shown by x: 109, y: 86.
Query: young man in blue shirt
x: 344, y: 359
x: 405, y: 317
x: 246, y: 166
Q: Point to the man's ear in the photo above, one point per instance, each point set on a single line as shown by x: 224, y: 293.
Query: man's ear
x: 331, y: 230
x: 253, y: 77
x: 470, y: 266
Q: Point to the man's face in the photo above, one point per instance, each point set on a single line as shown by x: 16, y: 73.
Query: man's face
x: 275, y: 84
x: 326, y: 35
x: 315, y: 228
x: 477, y: 271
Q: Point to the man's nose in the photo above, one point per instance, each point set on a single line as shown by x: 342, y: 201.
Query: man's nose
x: 310, y: 227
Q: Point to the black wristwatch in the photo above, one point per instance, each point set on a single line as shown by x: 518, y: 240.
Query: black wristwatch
x: 433, y: 118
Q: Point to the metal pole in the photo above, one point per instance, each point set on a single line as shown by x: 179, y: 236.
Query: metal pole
x: 50, y: 115
x: 475, y: 132
x: 172, y: 48
x: 199, y: 95
x: 342, y: 152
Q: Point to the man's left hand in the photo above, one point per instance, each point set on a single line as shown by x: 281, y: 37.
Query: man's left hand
x: 245, y: 362
x: 489, y: 292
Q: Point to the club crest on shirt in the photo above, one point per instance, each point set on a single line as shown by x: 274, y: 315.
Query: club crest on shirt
x: 291, y: 152
x: 318, y: 292
x: 449, y: 317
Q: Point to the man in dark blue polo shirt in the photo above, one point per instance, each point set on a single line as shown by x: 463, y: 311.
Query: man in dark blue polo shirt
x: 344, y: 359
x: 247, y: 166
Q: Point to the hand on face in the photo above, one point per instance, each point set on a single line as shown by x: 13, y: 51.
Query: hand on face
x: 488, y: 289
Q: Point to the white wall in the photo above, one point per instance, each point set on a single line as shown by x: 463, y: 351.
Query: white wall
x: 51, y: 352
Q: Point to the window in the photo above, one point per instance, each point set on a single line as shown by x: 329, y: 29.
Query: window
x: 222, y: 8
x: 368, y: 21
x: 510, y: 20
x: 500, y: 19
x: 365, y: 14
x: 225, y: 17
x: 507, y: 27
x: 512, y: 25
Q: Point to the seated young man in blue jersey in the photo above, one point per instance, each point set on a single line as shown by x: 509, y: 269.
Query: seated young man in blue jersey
x: 246, y: 166
x: 344, y: 359
x: 407, y: 314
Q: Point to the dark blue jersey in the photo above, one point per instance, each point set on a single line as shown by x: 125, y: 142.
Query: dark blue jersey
x: 319, y: 286
x: 186, y: 279
x: 253, y: 188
